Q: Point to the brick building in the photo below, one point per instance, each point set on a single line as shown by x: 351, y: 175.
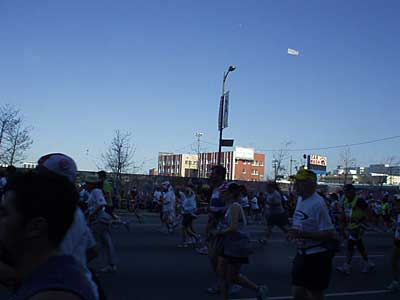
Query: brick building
x: 171, y: 164
x: 241, y: 164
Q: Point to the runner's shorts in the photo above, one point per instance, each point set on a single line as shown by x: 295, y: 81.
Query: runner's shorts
x: 168, y: 215
x: 277, y: 219
x: 187, y: 219
x: 312, y: 271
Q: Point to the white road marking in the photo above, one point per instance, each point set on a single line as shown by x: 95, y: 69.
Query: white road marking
x: 355, y: 256
x: 358, y: 293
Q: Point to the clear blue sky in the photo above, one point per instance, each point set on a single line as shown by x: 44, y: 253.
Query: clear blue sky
x: 79, y: 69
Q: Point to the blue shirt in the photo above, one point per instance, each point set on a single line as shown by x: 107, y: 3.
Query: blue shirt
x: 58, y: 273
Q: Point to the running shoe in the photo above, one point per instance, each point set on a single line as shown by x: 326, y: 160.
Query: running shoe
x: 394, y: 286
x: 191, y: 241
x: 345, y: 269
x: 235, y: 289
x: 183, y: 245
x: 109, y: 269
x: 368, y: 267
x: 126, y: 224
x: 213, y: 290
x: 262, y: 293
x: 203, y: 250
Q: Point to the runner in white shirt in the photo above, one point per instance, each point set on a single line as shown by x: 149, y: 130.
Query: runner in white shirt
x: 189, y: 206
x: 100, y: 222
x: 157, y: 198
x: 255, y: 208
x: 245, y: 200
x: 312, y: 229
x: 168, y: 206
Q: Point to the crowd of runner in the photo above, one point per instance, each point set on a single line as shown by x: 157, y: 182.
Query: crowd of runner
x: 40, y: 236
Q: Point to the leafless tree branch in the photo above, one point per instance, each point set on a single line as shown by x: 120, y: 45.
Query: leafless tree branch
x: 118, y: 158
x: 15, y: 137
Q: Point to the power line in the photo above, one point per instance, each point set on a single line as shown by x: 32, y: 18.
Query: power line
x: 335, y: 147
x: 327, y: 147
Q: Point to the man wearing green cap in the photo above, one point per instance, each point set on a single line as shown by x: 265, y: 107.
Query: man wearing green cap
x: 312, y: 228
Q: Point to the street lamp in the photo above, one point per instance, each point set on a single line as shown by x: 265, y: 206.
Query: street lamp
x: 221, y: 127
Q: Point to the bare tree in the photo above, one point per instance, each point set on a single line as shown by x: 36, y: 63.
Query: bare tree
x: 8, y: 115
x: 347, y: 161
x: 279, y: 158
x: 119, y: 156
x: 15, y: 137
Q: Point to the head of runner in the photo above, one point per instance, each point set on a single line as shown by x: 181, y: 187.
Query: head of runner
x: 349, y: 191
x: 217, y: 176
x: 306, y: 183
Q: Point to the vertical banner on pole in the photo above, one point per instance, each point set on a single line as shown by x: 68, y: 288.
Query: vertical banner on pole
x: 221, y: 113
x: 226, y: 110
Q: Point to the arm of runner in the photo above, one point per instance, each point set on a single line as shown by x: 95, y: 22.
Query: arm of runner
x: 235, y: 213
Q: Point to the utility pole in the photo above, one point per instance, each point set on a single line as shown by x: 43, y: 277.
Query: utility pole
x: 275, y: 166
x: 221, y: 112
x: 198, y: 135
x: 291, y: 165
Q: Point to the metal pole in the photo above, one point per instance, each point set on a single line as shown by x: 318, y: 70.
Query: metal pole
x: 198, y: 135
x: 221, y: 118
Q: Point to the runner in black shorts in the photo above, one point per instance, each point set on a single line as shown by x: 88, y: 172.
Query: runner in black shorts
x: 312, y: 227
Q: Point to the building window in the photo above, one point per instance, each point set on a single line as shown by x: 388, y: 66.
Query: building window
x: 261, y: 163
x: 236, y: 161
x: 244, y: 171
x: 254, y: 172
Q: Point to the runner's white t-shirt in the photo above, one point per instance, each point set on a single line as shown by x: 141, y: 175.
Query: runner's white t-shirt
x: 217, y: 204
x: 157, y: 196
x: 254, y: 203
x: 274, y: 201
x: 188, y: 204
x: 77, y: 241
x: 245, y: 201
x: 96, y: 199
x: 169, y: 201
x: 312, y: 215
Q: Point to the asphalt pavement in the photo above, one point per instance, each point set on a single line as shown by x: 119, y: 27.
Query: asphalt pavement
x: 151, y: 266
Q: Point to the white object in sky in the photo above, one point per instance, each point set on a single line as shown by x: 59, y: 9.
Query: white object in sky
x: 293, y: 52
